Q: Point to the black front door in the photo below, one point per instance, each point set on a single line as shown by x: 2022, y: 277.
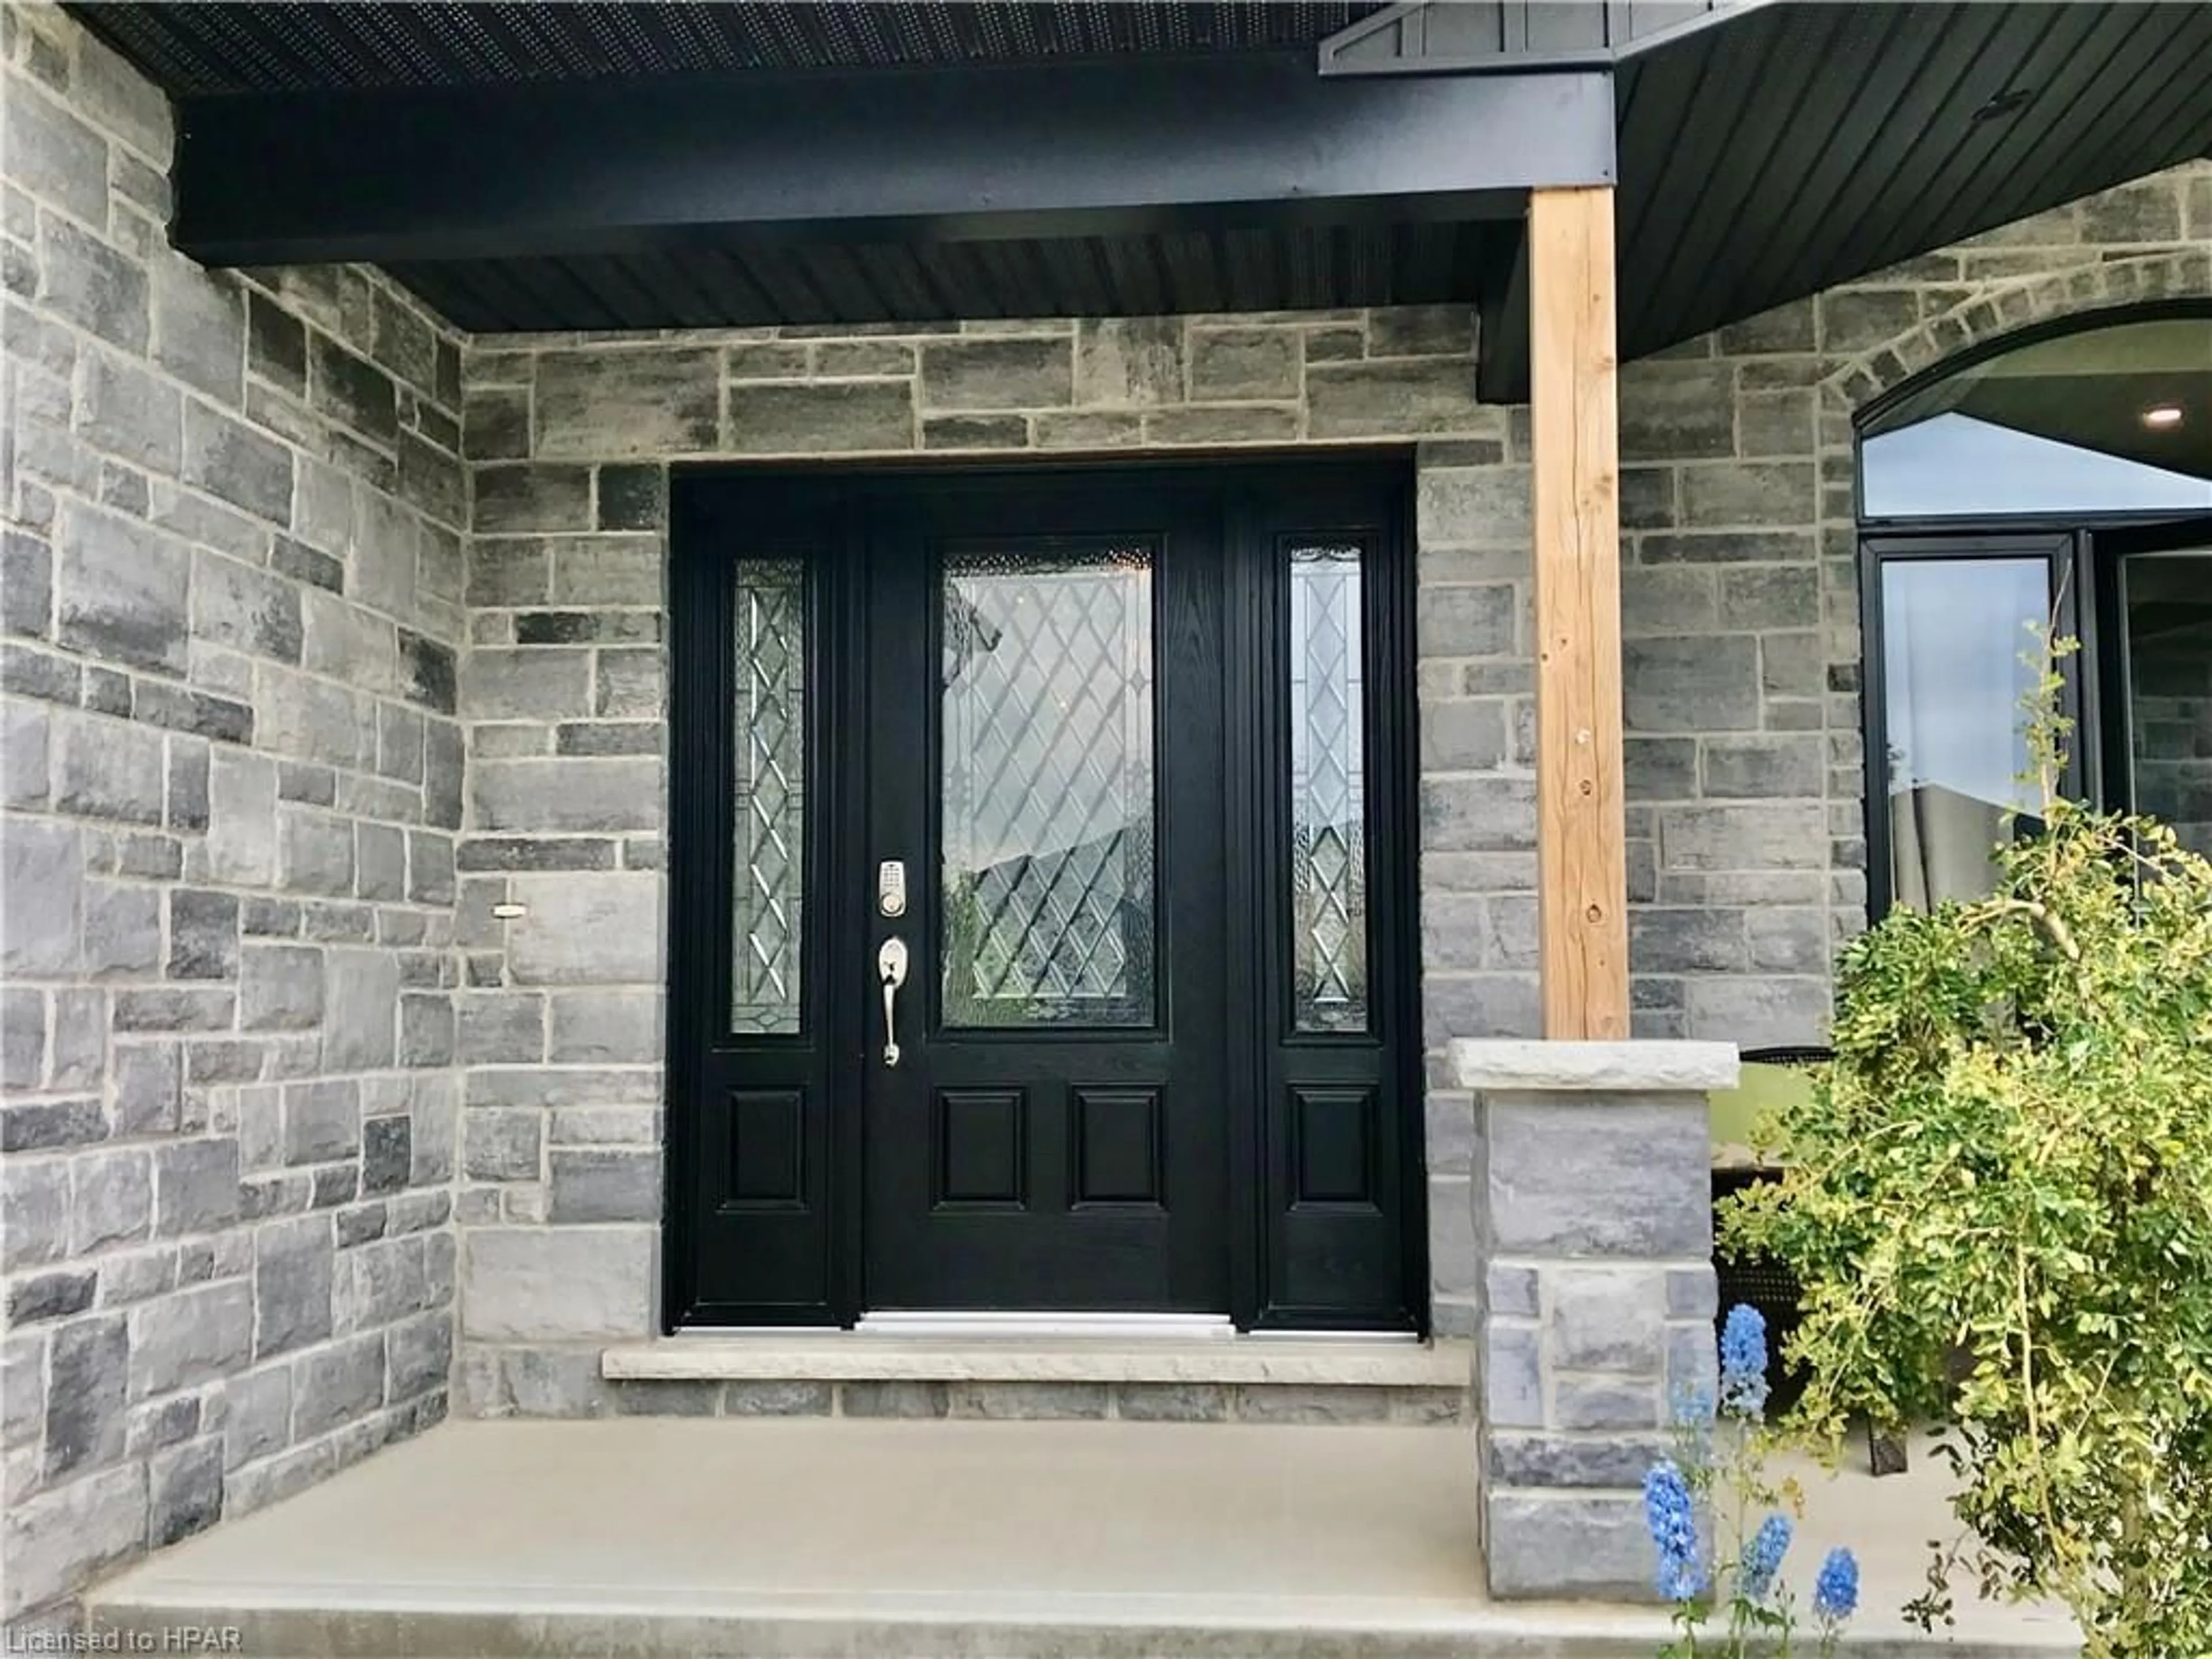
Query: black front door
x: 1037, y: 937
x: 1044, y: 703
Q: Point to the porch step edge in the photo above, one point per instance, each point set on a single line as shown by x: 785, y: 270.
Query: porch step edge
x: 855, y: 1359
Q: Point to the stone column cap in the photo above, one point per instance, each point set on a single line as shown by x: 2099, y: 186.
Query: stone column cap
x: 1673, y: 1067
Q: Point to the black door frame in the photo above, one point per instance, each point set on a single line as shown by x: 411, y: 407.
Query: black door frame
x: 719, y: 512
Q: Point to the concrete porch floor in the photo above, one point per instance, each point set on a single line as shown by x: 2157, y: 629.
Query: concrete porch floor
x: 932, y: 1540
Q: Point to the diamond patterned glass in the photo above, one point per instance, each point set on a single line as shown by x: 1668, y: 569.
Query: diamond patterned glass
x: 1047, y: 789
x: 1328, y: 792
x: 771, y: 727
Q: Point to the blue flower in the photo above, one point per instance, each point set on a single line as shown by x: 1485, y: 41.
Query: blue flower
x: 1670, y: 1514
x: 1743, y: 1361
x: 1836, y: 1591
x: 1762, y: 1557
x: 1693, y: 1408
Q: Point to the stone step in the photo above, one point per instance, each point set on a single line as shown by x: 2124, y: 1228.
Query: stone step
x: 1188, y: 1380
x: 652, y: 1539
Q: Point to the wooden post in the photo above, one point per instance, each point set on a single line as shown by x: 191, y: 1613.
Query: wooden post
x: 1581, y: 832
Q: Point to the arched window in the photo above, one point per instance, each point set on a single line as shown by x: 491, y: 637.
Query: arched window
x: 2061, y: 476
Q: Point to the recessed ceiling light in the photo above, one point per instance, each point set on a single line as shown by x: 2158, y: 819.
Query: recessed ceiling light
x: 2160, y: 417
x: 2005, y: 103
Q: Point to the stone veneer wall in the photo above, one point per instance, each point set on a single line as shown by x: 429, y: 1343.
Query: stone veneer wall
x: 1741, y: 664
x: 230, y: 584
x: 563, y: 694
x: 1740, y: 593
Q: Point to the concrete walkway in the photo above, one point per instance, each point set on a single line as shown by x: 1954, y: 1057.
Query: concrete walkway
x: 928, y: 1541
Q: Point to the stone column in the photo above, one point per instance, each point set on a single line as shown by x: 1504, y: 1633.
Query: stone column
x: 1593, y: 1229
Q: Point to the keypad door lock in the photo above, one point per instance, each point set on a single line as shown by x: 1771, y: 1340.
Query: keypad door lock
x: 890, y: 888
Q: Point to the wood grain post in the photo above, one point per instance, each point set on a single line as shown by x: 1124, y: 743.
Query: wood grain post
x: 1581, y: 830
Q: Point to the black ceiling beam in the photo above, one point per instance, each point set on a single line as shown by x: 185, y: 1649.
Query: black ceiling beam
x: 936, y: 154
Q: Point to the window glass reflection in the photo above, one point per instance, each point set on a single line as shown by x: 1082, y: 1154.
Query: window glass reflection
x: 1957, y: 668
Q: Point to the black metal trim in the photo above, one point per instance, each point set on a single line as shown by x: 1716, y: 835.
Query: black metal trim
x: 985, y: 153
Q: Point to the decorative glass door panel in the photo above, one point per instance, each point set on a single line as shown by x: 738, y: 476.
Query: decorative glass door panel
x: 1047, y: 823
x: 1328, y: 789
x: 768, y: 874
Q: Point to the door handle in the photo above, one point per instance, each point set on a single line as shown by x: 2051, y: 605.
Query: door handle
x: 890, y: 969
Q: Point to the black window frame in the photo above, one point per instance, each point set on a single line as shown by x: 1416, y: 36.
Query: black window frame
x: 2084, y: 561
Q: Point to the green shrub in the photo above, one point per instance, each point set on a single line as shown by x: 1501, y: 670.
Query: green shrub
x: 2000, y: 1208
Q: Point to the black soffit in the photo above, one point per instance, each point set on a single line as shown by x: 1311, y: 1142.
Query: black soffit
x: 1765, y: 152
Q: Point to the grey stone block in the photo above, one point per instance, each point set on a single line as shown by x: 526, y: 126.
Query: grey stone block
x: 1759, y: 1012
x: 77, y: 1051
x: 322, y: 1120
x: 42, y: 888
x: 665, y: 1399
x: 997, y: 374
x: 894, y: 1399
x: 385, y: 1153
x: 1510, y: 1290
x: 975, y: 432
x: 51, y: 153
x: 351, y: 389
x: 1028, y: 1400
x: 191, y: 1337
x: 599, y: 1026
x: 552, y: 1284
x: 1696, y: 684
x: 1616, y: 1460
x: 112, y: 1200
x: 122, y: 591
x: 293, y: 1267
x: 203, y: 934
x: 147, y: 1088
x: 51, y: 1296
x: 522, y: 498
x: 1370, y: 400
x: 776, y: 1398
x: 257, y: 1414
x: 361, y: 1010
x: 240, y: 847
x: 585, y: 929
x: 106, y: 770
x: 1588, y: 1178
x: 280, y: 987
x: 1764, y: 768
x: 426, y: 1029
x: 1606, y: 1319
x: 87, y: 1416
x: 1285, y: 1403
x: 607, y: 571
x: 338, y: 1385
x: 1242, y: 363
x: 1676, y: 411
x: 24, y: 749
x: 418, y: 1356
x: 1467, y: 622
x: 623, y: 403
x: 37, y: 1193
x: 1234, y: 424
x: 1124, y: 361
x: 246, y: 609
x: 1761, y: 837
x: 1509, y: 1371
x: 1606, y: 1402
x: 527, y: 684
x: 63, y: 1538
x: 185, y: 1492
x: 603, y: 1185
x: 1749, y: 495
x: 1546, y: 1547
x: 22, y: 1038
x: 559, y: 795
x: 315, y: 853
x: 379, y: 861
x: 1173, y: 1402
x: 22, y: 1390
x: 1477, y: 814
x: 195, y: 1187
x: 85, y: 282
x: 764, y: 418
x: 501, y: 1025
x: 633, y: 497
